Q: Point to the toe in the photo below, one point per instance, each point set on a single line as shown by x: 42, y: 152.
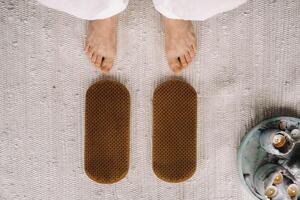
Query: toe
x: 86, y: 48
x: 192, y: 52
x: 188, y: 58
x: 183, y: 61
x: 90, y: 53
x: 175, y: 65
x: 194, y: 47
x: 98, y: 61
x: 107, y: 65
x: 94, y: 58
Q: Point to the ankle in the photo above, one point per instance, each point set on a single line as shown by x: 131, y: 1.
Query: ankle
x: 175, y: 25
x: 107, y: 21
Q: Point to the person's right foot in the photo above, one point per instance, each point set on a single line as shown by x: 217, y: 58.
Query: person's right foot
x: 101, y: 42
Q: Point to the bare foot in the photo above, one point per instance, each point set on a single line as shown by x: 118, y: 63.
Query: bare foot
x: 180, y: 43
x: 101, y: 42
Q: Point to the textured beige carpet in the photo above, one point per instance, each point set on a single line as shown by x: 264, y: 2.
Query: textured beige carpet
x: 247, y: 69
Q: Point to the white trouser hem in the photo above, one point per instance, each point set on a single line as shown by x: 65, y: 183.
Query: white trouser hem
x: 109, y: 12
x: 195, y: 16
x: 165, y: 12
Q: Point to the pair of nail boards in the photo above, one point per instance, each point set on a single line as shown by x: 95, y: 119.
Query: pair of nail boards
x: 107, y: 131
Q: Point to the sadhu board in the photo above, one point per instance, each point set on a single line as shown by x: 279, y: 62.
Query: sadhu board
x: 174, y: 131
x: 107, y: 122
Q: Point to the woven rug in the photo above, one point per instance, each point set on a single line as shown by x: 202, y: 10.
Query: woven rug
x: 247, y: 69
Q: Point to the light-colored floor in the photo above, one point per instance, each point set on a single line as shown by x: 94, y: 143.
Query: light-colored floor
x: 247, y: 69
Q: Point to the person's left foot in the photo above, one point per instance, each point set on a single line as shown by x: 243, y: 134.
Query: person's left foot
x: 101, y: 42
x: 180, y: 43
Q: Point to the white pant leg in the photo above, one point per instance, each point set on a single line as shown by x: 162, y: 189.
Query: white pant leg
x: 88, y: 9
x: 194, y: 9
